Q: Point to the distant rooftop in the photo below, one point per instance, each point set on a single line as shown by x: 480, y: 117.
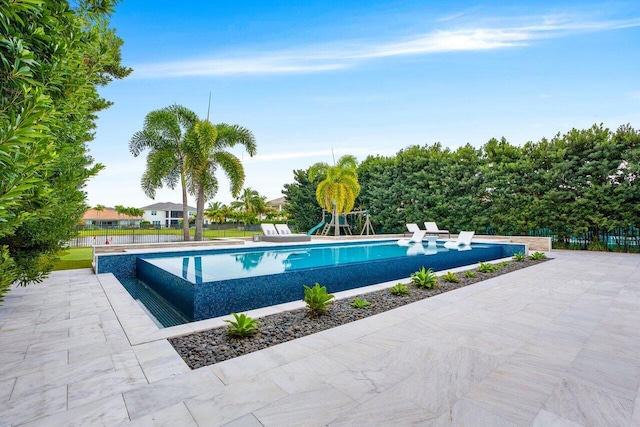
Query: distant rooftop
x: 166, y: 206
x: 107, y: 214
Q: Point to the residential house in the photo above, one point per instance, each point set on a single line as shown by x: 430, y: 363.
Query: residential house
x: 109, y: 218
x: 166, y: 214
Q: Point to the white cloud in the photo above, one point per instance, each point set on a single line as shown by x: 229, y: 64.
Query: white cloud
x: 346, y: 54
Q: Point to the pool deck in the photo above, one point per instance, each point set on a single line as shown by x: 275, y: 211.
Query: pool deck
x: 555, y: 344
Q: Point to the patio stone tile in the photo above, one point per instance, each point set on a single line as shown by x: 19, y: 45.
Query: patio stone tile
x: 615, y: 344
x: 146, y: 399
x: 247, y: 366
x: 354, y: 353
x: 558, y: 352
x: 45, y: 379
x: 14, y: 353
x: 159, y: 360
x: 23, y: 366
x: 305, y: 374
x: 586, y: 405
x: 96, y: 350
x: 34, y: 405
x: 293, y: 350
x: 385, y: 409
x: 248, y: 420
x: 107, y: 412
x: 173, y: 416
x: 237, y: 400
x: 467, y: 413
x: 548, y: 419
x: 438, y: 381
x: 635, y: 420
x: 611, y: 374
x: 96, y: 388
x: 6, y: 387
x: 51, y: 315
x: 40, y: 349
x: 313, y: 408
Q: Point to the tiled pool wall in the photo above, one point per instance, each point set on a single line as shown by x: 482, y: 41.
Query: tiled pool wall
x: 219, y: 298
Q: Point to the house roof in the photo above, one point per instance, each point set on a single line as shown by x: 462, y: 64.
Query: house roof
x: 279, y: 201
x: 166, y: 206
x: 108, y: 214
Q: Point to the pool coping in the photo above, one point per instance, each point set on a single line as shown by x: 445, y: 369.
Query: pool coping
x: 140, y: 328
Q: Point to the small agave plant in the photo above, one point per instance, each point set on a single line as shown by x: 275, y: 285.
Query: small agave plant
x: 317, y: 299
x: 424, y: 278
x: 242, y: 326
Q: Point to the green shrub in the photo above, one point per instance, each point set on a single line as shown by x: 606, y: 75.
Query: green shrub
x: 486, y: 267
x: 317, y: 299
x: 399, y: 289
x: 360, y: 303
x: 520, y: 256
x: 450, y: 277
x: 597, y: 245
x: 243, y: 326
x: 470, y: 274
x: 505, y: 264
x: 538, y: 255
x: 424, y: 278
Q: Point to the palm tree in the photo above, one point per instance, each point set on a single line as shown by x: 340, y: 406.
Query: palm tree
x: 216, y: 212
x: 206, y: 146
x: 164, y: 134
x: 250, y: 201
x: 98, y: 209
x: 339, y: 188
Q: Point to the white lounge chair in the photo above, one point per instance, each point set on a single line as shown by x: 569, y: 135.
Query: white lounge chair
x: 280, y: 233
x: 269, y: 229
x: 417, y: 237
x: 462, y: 242
x: 283, y: 229
x: 413, y: 227
x: 432, y: 228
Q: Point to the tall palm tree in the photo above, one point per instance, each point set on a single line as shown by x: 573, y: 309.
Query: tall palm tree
x: 250, y: 201
x: 339, y: 188
x: 206, y: 146
x: 216, y: 212
x: 164, y: 134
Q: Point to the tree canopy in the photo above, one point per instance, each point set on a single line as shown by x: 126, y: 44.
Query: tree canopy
x: 53, y: 57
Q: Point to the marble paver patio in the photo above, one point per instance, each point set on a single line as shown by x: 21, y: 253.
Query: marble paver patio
x: 557, y: 344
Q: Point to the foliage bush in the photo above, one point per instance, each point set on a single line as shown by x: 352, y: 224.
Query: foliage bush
x: 424, y: 278
x: 538, y: 256
x: 317, y: 299
x: 360, y: 303
x: 520, y: 257
x: 470, y: 274
x: 243, y: 326
x: 399, y: 290
x: 486, y: 267
x: 450, y: 277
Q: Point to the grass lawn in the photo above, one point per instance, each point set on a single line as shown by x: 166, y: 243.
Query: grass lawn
x: 73, y: 258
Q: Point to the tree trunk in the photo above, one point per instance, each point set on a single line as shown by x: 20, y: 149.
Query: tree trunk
x: 199, y: 213
x: 185, y: 210
x: 336, y: 219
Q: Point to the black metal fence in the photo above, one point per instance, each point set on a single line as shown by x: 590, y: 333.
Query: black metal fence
x: 92, y: 235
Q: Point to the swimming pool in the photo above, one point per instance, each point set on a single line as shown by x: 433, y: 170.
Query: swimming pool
x: 210, y: 283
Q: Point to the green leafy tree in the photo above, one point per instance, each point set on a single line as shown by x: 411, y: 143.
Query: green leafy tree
x: 339, y: 187
x: 301, y: 207
x: 217, y: 212
x: 206, y: 153
x: 251, y: 202
x: 164, y: 132
x: 53, y: 58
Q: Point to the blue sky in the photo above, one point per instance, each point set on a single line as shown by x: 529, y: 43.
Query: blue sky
x: 314, y: 77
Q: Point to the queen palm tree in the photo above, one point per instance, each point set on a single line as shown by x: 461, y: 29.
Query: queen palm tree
x: 339, y: 188
x: 216, y: 212
x: 164, y: 134
x: 206, y: 146
x: 250, y: 201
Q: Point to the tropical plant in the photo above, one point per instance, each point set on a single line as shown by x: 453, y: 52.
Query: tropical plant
x: 519, y: 256
x: 339, y: 187
x: 217, y: 212
x: 250, y: 202
x: 470, y: 274
x: 317, y: 299
x: 399, y: 289
x: 164, y: 134
x: 360, y: 303
x: 450, y: 277
x: 424, y: 278
x: 54, y: 57
x: 486, y: 267
x: 538, y: 256
x: 206, y: 153
x: 242, y: 326
x: 302, y: 206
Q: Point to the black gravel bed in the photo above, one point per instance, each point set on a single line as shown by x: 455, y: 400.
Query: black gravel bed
x: 215, y: 345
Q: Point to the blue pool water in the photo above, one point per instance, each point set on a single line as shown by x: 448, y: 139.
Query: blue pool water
x: 210, y: 283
